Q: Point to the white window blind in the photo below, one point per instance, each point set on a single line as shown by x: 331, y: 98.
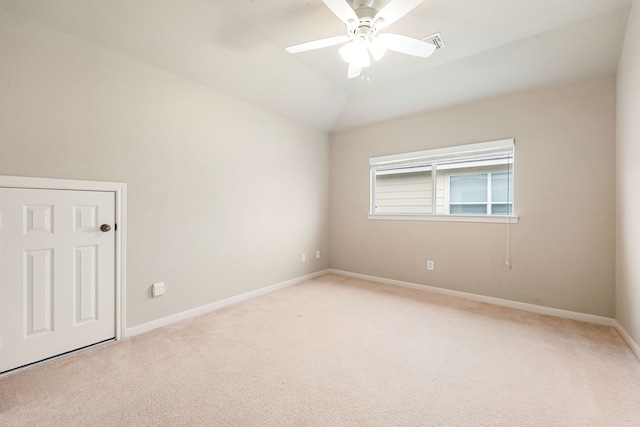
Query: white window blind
x: 457, y: 153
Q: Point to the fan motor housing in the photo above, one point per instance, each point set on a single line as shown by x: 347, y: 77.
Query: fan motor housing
x: 365, y: 27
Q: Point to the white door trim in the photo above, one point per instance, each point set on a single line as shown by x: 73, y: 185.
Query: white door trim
x: 120, y: 191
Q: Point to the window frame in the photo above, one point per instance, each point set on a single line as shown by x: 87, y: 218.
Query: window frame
x: 430, y: 159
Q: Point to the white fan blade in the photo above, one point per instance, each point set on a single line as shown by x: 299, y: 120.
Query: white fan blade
x: 342, y: 9
x: 354, y: 71
x: 404, y: 44
x: 395, y: 10
x: 317, y: 44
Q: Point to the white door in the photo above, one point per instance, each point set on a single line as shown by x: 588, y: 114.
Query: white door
x: 57, y: 279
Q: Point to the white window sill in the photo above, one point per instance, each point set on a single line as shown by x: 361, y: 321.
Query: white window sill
x: 448, y: 218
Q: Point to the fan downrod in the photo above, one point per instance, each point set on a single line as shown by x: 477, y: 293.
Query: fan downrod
x: 357, y: 4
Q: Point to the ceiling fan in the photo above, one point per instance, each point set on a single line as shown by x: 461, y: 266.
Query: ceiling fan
x: 363, y: 25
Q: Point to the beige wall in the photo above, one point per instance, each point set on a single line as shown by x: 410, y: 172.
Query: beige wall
x: 563, y: 246
x: 628, y: 179
x: 223, y: 197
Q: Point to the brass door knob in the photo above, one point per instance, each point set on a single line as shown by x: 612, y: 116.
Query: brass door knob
x: 105, y: 227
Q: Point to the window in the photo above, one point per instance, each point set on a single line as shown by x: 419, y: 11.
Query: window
x: 465, y: 181
x: 481, y: 194
x: 404, y: 191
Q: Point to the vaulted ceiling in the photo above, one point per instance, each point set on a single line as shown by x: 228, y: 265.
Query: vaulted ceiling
x: 493, y: 48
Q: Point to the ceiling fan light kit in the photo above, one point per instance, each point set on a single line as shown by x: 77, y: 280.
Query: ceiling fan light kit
x: 356, y: 52
x: 363, y: 25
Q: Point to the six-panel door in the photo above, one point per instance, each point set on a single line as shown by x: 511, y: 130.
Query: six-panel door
x: 57, y: 289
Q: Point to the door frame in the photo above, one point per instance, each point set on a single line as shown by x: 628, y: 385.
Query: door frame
x: 120, y: 192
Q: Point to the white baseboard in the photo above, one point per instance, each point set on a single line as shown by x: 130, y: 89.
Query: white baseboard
x: 589, y: 318
x: 625, y: 336
x: 145, y: 327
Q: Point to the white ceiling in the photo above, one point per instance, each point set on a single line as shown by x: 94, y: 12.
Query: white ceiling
x: 493, y: 47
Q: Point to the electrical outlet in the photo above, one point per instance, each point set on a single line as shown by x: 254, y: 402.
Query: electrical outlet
x: 157, y: 289
x: 304, y: 257
x: 430, y: 265
x: 317, y: 254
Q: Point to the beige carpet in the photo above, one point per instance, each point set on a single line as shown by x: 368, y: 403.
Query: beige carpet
x: 335, y: 351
